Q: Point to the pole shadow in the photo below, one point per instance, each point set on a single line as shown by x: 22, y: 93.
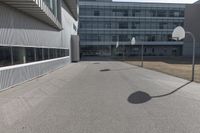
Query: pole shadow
x: 140, y: 97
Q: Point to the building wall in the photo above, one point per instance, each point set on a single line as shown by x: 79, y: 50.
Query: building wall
x: 192, y: 24
x: 105, y: 23
x: 23, y: 30
x: 19, y: 30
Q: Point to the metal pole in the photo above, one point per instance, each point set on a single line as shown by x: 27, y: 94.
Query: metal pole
x: 194, y: 54
x: 12, y: 58
x: 123, y: 52
x: 142, y: 55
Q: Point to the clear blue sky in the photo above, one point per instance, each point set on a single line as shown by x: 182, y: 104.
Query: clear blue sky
x: 160, y: 1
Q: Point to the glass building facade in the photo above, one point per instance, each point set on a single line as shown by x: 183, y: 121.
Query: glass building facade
x: 103, y: 23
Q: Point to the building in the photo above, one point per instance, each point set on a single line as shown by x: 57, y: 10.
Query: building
x: 104, y: 22
x: 192, y: 24
x: 35, y: 38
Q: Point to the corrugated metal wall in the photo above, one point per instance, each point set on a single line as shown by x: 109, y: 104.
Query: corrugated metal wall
x: 19, y: 29
x: 16, y: 28
x: 22, y: 73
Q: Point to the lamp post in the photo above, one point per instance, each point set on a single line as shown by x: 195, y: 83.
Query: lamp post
x: 124, y: 52
x: 123, y: 49
x: 179, y: 34
x: 142, y: 55
x: 133, y: 42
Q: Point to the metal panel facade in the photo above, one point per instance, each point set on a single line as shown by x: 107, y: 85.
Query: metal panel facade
x: 21, y: 30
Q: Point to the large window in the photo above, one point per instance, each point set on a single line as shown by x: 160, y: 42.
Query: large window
x: 30, y: 55
x: 120, y: 12
x: 52, y: 53
x: 39, y: 54
x: 20, y: 55
x: 46, y: 54
x: 123, y: 25
x: 5, y: 56
x: 96, y: 13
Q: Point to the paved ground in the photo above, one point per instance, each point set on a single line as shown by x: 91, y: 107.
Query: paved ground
x: 89, y: 98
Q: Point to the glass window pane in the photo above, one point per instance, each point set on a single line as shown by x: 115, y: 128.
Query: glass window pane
x: 51, y: 54
x: 39, y: 54
x: 30, y: 55
x: 5, y: 56
x: 18, y: 55
x: 46, y: 53
x: 55, y: 53
x: 59, y: 53
x: 66, y: 52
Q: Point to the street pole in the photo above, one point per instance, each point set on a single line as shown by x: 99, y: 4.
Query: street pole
x: 123, y: 52
x: 142, y: 55
x: 194, y: 54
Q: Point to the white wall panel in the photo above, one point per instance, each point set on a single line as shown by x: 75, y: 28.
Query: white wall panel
x: 17, y: 28
x: 17, y: 74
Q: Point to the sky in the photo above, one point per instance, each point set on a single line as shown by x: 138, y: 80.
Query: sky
x: 160, y: 1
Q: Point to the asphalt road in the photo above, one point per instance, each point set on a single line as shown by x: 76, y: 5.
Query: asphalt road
x: 101, y: 97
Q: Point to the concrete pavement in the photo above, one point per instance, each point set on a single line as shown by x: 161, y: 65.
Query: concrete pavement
x: 101, y: 97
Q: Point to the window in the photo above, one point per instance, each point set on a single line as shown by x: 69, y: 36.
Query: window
x: 153, y: 50
x: 136, y: 12
x: 5, y: 56
x: 123, y: 25
x: 123, y: 38
x: 120, y: 12
x: 63, y: 52
x: 151, y: 38
x: 107, y: 25
x: 30, y: 55
x: 18, y: 55
x: 39, y: 54
x: 21, y: 55
x: 135, y: 25
x: 96, y: 13
x: 59, y: 53
x: 152, y: 13
x: 162, y: 13
x: 66, y: 52
x: 114, y: 38
x: 46, y: 54
x: 52, y: 53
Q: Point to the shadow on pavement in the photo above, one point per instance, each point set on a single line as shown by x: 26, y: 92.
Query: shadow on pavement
x: 140, y: 97
x: 121, y: 69
x: 96, y: 63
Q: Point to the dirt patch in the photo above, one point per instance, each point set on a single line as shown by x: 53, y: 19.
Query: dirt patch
x: 178, y: 66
